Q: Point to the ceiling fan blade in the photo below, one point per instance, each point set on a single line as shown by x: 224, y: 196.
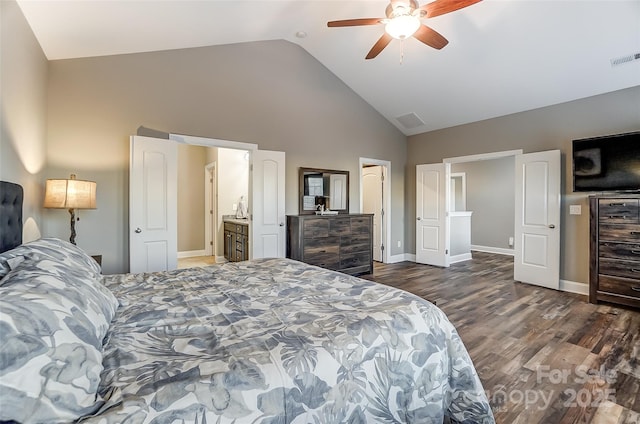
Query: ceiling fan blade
x: 354, y: 22
x: 380, y: 44
x: 440, y: 7
x: 430, y: 37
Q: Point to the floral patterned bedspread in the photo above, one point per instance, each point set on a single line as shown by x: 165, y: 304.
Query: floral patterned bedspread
x: 275, y: 341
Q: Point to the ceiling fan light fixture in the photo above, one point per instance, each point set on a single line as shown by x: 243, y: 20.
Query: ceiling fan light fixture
x: 403, y: 26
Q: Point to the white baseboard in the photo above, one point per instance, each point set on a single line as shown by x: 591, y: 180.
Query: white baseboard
x: 460, y: 258
x: 574, y: 287
x: 489, y: 249
x: 191, y: 253
x: 220, y: 259
x: 402, y: 258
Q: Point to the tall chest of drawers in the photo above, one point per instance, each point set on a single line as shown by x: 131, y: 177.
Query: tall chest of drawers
x: 614, y: 271
x: 339, y: 242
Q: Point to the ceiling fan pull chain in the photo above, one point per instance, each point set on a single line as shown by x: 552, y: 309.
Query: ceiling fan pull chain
x: 401, y: 51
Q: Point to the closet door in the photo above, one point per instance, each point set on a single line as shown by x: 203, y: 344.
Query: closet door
x: 432, y: 220
x: 537, y: 219
x: 267, y: 192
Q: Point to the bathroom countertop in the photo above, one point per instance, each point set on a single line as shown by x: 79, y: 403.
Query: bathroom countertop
x: 234, y: 220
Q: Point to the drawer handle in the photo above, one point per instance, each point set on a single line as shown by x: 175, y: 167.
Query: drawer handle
x: 635, y: 233
x: 636, y: 252
x: 617, y: 216
x: 617, y: 204
x: 635, y: 270
x: 635, y: 288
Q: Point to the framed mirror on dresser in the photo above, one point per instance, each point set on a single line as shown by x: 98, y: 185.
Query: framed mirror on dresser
x: 323, y: 190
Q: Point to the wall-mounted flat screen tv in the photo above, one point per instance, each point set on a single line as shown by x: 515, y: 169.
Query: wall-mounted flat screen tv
x: 608, y: 163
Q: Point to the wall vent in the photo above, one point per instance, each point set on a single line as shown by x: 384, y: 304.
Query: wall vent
x: 625, y: 59
x: 410, y: 121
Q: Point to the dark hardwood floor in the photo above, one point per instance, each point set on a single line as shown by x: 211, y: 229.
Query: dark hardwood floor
x: 543, y: 356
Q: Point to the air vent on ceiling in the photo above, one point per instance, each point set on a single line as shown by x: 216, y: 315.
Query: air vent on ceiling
x: 410, y: 121
x: 625, y: 59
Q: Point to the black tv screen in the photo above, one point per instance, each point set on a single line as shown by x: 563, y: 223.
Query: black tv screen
x: 609, y: 163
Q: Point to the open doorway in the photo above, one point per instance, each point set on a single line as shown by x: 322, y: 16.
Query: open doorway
x: 206, y: 204
x: 375, y: 198
x: 487, y: 196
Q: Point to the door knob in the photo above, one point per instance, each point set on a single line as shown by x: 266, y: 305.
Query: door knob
x: 138, y: 230
x: 552, y: 226
x: 282, y: 224
x: 418, y: 218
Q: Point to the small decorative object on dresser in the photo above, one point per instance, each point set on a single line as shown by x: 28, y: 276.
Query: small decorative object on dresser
x: 338, y: 242
x: 614, y: 271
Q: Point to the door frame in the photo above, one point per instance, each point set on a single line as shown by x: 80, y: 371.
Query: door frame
x: 214, y: 142
x: 488, y: 156
x: 386, y: 202
x: 210, y: 204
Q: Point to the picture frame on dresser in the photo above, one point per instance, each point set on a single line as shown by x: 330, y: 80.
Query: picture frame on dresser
x: 614, y: 263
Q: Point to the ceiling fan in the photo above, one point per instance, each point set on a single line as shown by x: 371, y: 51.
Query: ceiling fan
x: 403, y: 21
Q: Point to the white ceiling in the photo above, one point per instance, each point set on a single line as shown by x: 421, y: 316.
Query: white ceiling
x: 504, y: 56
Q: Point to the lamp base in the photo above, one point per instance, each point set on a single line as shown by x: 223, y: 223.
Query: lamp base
x: 72, y: 238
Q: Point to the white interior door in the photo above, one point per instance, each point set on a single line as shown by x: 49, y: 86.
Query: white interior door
x: 372, y: 183
x: 432, y: 220
x: 537, y: 219
x: 153, y: 227
x: 268, y: 207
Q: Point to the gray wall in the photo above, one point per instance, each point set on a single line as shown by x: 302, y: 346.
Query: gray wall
x: 270, y: 93
x: 23, y: 84
x: 491, y: 198
x: 542, y: 129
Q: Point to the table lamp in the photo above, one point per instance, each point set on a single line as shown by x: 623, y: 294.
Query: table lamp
x: 70, y: 194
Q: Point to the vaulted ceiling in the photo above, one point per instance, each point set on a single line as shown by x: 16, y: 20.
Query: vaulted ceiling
x: 503, y: 56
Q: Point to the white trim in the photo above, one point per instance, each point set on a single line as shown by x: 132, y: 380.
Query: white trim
x: 386, y: 169
x: 460, y: 258
x: 483, y: 156
x: 210, y: 219
x: 463, y: 178
x: 212, y: 142
x: 191, y: 253
x: 402, y: 257
x: 490, y: 249
x: 574, y: 287
x: 221, y: 259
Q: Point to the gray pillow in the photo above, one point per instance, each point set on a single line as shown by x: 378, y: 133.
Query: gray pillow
x: 53, y: 319
x: 53, y: 248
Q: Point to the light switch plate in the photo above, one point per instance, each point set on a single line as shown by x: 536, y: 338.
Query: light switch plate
x: 575, y: 210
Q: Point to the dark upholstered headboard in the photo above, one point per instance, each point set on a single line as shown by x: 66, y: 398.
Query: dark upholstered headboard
x: 11, y: 196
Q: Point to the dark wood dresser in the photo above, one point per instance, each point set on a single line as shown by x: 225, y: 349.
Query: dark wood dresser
x: 339, y: 242
x: 614, y: 271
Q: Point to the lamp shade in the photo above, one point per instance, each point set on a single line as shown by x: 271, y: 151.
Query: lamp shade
x: 70, y: 194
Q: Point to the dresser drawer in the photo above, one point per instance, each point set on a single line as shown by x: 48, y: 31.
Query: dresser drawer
x: 619, y: 232
x: 321, y: 246
x: 313, y: 228
x: 619, y: 268
x: 339, y: 226
x: 353, y: 247
x: 324, y: 260
x: 618, y: 211
x: 623, y: 286
x: 625, y: 251
x: 360, y: 225
x: 355, y: 259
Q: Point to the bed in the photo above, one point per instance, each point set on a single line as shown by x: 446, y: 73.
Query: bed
x: 266, y: 341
